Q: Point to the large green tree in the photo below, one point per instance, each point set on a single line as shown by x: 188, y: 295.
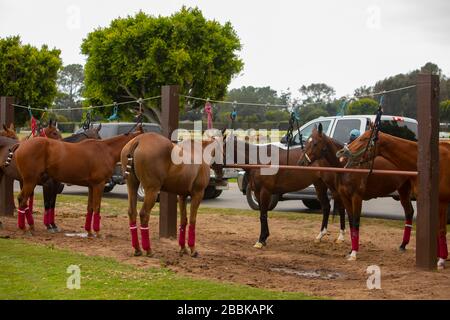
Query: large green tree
x: 70, y: 85
x: 136, y: 55
x: 363, y: 106
x: 444, y: 111
x: 29, y: 74
x: 317, y: 93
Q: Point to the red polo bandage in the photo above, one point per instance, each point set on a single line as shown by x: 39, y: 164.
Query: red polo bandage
x: 96, y: 225
x: 354, y: 234
x: 191, y: 235
x: 134, y: 236
x: 145, y: 237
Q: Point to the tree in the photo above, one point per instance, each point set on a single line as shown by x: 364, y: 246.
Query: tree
x: 317, y: 93
x: 444, y: 111
x: 29, y: 74
x: 363, y: 106
x: 70, y: 86
x: 135, y: 56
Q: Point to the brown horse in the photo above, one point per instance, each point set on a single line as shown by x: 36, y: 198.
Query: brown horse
x: 154, y: 162
x: 9, y: 132
x: 352, y: 189
x: 87, y: 163
x: 283, y: 181
x: 403, y: 154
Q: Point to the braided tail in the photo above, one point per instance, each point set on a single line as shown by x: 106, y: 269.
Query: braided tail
x: 128, y: 168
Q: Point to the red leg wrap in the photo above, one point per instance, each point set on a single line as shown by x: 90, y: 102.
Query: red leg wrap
x: 96, y: 225
x: 52, y: 216
x: 182, y: 236
x: 442, y: 247
x: 407, y: 232
x: 134, y: 236
x: 47, y: 217
x: 354, y: 234
x: 29, y: 216
x: 145, y: 237
x: 88, y: 224
x: 191, y: 235
x: 21, y: 217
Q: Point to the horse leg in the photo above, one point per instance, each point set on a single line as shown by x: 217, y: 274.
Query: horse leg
x: 354, y: 228
x: 89, y: 213
x: 47, y: 190
x: 264, y: 202
x: 144, y: 215
x: 97, y: 192
x: 183, y: 223
x: 405, y: 199
x: 132, y: 186
x: 54, y: 194
x: 196, y: 198
x: 23, y: 210
x: 442, y: 235
x: 340, y: 208
x: 321, y: 191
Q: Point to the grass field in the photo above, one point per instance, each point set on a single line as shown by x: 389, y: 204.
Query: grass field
x: 40, y: 272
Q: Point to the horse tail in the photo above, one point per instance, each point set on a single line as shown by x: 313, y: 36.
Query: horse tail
x: 128, y: 166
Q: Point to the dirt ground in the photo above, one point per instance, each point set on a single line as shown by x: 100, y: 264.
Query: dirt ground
x: 292, y: 261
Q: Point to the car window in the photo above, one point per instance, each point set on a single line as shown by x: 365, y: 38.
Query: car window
x: 343, y: 128
x: 402, y: 129
x: 306, y: 132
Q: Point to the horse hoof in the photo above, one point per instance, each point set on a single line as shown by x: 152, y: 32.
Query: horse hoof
x: 50, y: 230
x: 402, y: 249
x: 55, y: 228
x: 441, y: 264
x: 149, y: 254
x: 90, y: 235
x: 194, y: 254
x: 258, y: 245
x: 352, y: 256
x: 183, y: 251
x: 137, y: 253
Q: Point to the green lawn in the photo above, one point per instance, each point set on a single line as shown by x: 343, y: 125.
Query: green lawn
x: 30, y: 271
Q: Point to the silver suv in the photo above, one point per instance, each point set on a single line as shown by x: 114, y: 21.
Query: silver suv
x: 112, y: 129
x: 339, y: 128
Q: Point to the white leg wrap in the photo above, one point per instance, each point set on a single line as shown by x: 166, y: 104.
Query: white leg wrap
x: 321, y: 234
x: 441, y: 264
x: 341, y: 237
x: 352, y: 256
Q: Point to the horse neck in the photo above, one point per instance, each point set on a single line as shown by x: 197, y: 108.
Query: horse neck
x: 116, y: 144
x: 333, y: 147
x: 402, y: 153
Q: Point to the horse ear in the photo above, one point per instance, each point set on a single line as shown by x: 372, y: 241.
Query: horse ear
x: 320, y: 128
x: 99, y: 127
x: 4, y: 127
x: 50, y: 123
x: 371, y: 125
x: 12, y: 127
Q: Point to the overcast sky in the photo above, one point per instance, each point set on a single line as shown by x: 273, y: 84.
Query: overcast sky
x: 286, y: 43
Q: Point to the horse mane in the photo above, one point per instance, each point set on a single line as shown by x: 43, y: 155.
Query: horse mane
x: 6, y: 141
x: 73, y: 138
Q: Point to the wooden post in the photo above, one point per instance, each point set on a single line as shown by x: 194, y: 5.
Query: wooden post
x: 6, y: 185
x: 169, y: 123
x: 428, y: 167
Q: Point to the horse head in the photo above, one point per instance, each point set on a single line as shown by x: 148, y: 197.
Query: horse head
x: 92, y: 132
x: 315, y: 147
x: 361, y: 150
x: 9, y: 132
x: 51, y: 131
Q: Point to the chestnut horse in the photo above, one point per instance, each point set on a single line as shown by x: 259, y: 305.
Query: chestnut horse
x: 50, y: 188
x: 352, y: 188
x: 283, y: 181
x: 403, y: 154
x: 155, y: 162
x: 87, y: 163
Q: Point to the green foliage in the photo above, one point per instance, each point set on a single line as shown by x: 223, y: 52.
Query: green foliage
x: 277, y: 115
x: 317, y: 92
x: 362, y: 106
x: 29, y: 74
x: 135, y: 56
x: 444, y: 111
x: 312, y: 112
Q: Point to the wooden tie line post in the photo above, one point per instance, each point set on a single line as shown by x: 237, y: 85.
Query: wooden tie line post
x: 169, y: 123
x: 6, y: 186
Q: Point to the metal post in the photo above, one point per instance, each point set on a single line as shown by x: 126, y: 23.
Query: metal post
x: 6, y: 185
x: 428, y: 167
x: 169, y: 122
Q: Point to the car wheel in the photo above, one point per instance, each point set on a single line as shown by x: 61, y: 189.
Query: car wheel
x: 108, y: 187
x: 211, y: 193
x: 253, y: 202
x: 312, y: 204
